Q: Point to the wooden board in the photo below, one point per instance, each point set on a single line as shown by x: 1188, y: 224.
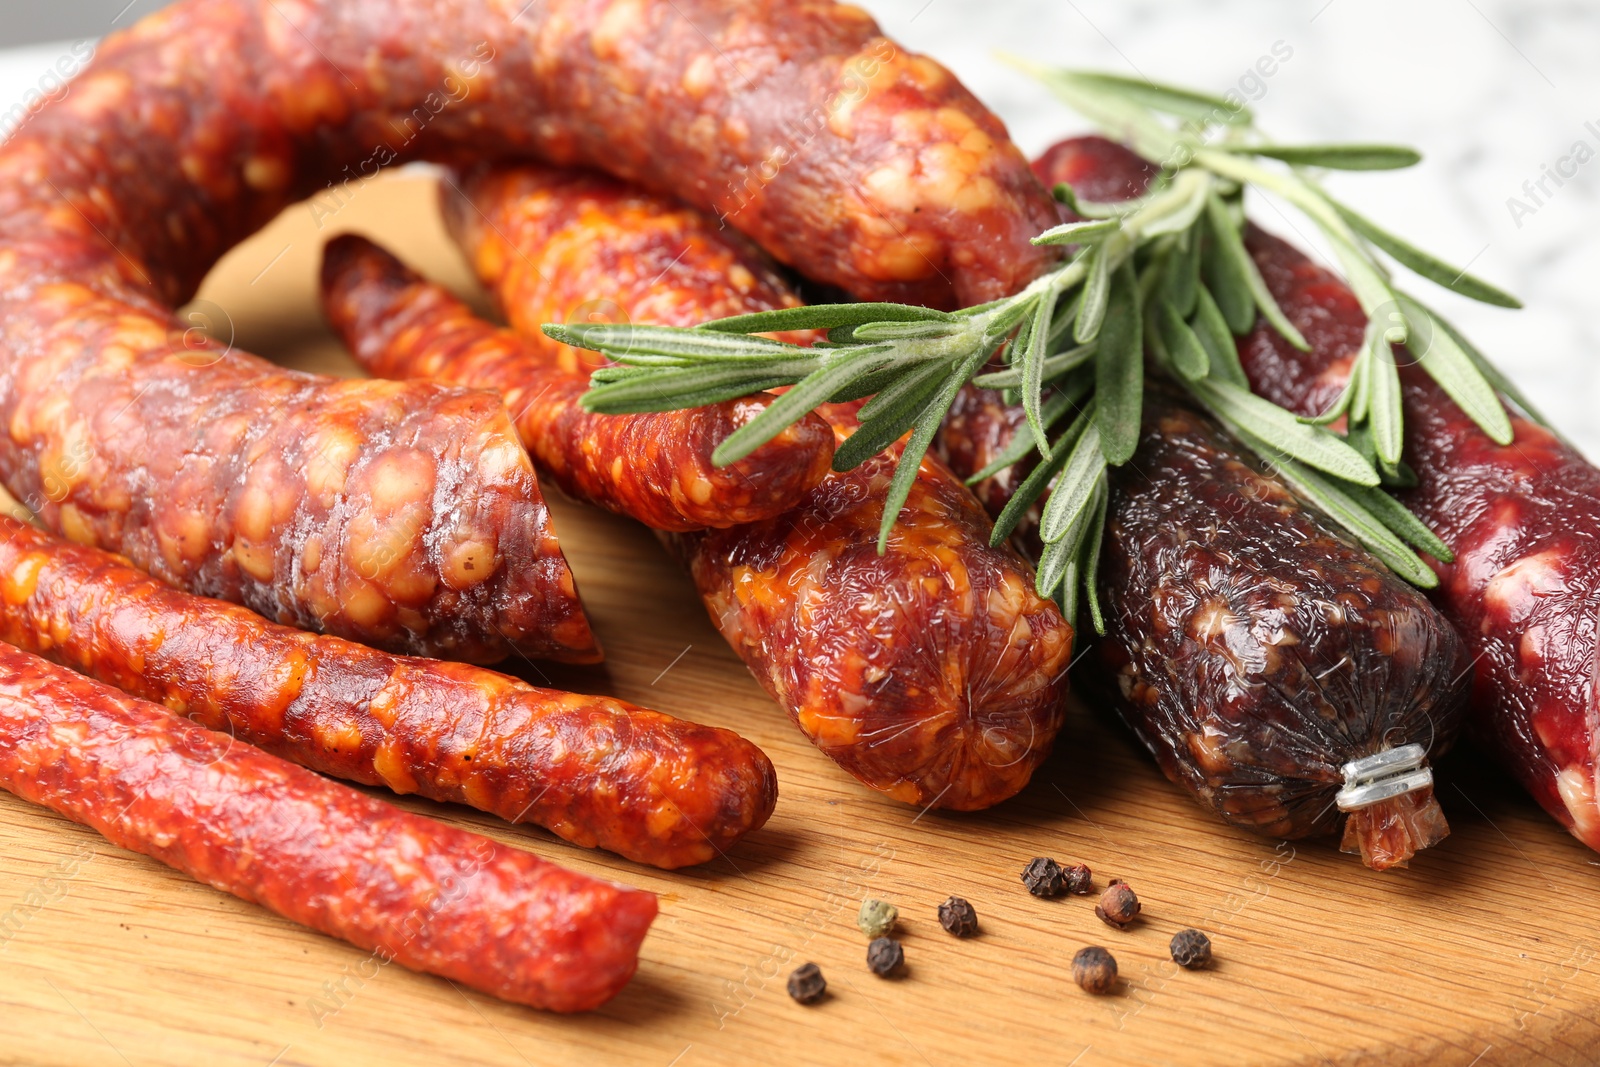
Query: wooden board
x: 1482, y: 953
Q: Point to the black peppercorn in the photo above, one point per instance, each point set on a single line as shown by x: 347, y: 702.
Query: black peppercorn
x: 1044, y: 878
x: 807, y: 985
x: 1118, y: 905
x: 957, y: 917
x: 884, y: 956
x: 1095, y: 970
x: 1080, y: 879
x: 1191, y: 949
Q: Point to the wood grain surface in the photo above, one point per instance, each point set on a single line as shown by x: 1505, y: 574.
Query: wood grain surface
x: 1484, y: 952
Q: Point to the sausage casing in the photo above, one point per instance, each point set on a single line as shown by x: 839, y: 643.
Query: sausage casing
x: 410, y: 889
x: 1255, y: 652
x: 933, y: 672
x: 1522, y: 519
x: 596, y: 771
x: 654, y: 467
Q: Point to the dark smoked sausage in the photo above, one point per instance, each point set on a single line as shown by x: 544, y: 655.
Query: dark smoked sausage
x: 598, y: 772
x: 934, y: 672
x: 1523, y: 521
x: 1255, y: 652
x: 409, y: 889
x: 652, y: 467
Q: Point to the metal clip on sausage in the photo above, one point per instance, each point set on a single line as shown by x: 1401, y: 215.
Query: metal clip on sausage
x: 1393, y: 773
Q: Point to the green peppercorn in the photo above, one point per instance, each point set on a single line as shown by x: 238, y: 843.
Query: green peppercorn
x: 884, y: 956
x: 1095, y: 970
x: 876, y: 917
x: 807, y: 985
x: 1191, y: 949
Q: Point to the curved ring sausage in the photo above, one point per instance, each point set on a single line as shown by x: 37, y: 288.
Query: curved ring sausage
x: 652, y: 467
x: 933, y: 673
x: 597, y: 772
x: 410, y: 889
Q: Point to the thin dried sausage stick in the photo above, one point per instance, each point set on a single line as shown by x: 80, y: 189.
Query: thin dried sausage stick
x: 595, y: 771
x: 652, y: 467
x: 433, y: 898
x: 933, y: 673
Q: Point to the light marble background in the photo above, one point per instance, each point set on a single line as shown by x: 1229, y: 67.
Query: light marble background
x: 1492, y: 92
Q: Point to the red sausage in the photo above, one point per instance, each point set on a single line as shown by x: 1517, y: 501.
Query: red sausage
x: 431, y: 897
x: 934, y: 672
x: 653, y: 467
x: 1522, y: 519
x: 596, y: 771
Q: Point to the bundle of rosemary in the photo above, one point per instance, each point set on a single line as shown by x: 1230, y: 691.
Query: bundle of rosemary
x: 1165, y: 276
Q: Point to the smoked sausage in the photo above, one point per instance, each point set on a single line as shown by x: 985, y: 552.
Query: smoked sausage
x: 652, y: 467
x: 934, y: 672
x: 598, y: 772
x: 1521, y: 520
x: 409, y: 889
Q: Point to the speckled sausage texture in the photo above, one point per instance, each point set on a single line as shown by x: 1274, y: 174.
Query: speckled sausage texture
x: 409, y: 889
x: 652, y: 467
x: 1523, y: 521
x: 1255, y: 652
x: 596, y: 771
x: 933, y: 673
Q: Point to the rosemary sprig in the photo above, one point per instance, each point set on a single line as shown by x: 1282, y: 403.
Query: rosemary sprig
x: 1165, y: 276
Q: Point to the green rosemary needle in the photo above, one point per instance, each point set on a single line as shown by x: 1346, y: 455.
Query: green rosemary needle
x: 1164, y: 278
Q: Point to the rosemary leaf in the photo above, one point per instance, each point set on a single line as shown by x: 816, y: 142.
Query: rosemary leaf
x: 1336, y: 156
x: 1399, y: 520
x: 1119, y: 370
x: 1282, y: 434
x: 1020, y: 446
x: 811, y: 391
x: 1189, y: 357
x: 683, y: 387
x: 1073, y: 492
x: 1222, y: 266
x: 1198, y: 107
x: 1181, y: 278
x: 1091, y: 209
x: 1054, y: 562
x: 1091, y: 311
x: 1070, y: 233
x: 1091, y: 559
x: 1360, y: 386
x: 1033, y: 368
x: 822, y: 317
x: 1039, y: 479
x: 916, y: 446
x: 1429, y: 266
x: 1493, y: 375
x: 1211, y: 329
x: 622, y: 341
x: 1384, y: 413
x: 1054, y: 368
x: 1450, y: 366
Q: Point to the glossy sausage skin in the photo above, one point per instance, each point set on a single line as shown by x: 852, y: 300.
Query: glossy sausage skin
x: 933, y: 673
x: 1523, y: 520
x: 596, y: 771
x: 410, y: 889
x: 1255, y: 652
x: 652, y: 467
